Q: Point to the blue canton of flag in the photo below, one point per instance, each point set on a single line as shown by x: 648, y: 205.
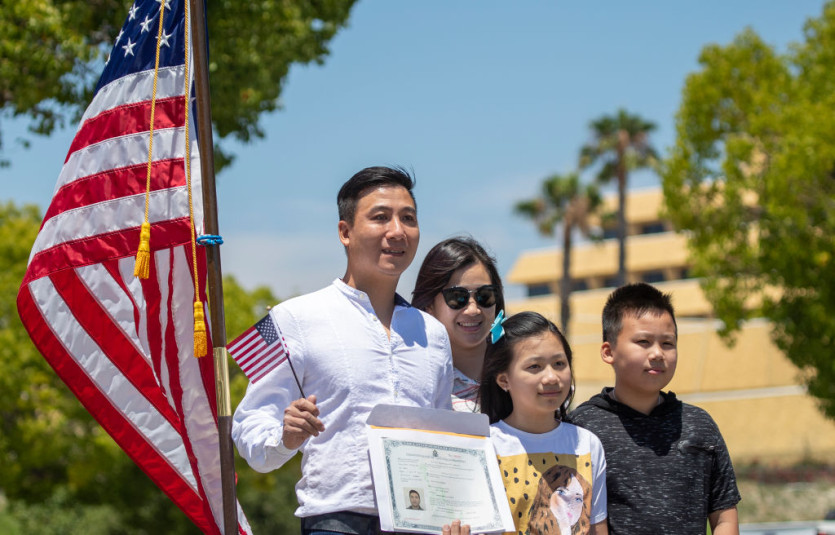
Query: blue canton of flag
x: 135, y: 46
x: 267, y: 330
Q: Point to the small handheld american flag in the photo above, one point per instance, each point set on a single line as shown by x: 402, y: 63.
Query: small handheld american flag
x: 260, y: 349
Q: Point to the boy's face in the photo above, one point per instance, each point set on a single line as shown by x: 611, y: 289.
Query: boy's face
x: 383, y: 238
x: 645, y: 354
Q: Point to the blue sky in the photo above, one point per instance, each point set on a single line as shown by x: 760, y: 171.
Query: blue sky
x: 482, y: 100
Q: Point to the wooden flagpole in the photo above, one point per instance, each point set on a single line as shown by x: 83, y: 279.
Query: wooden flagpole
x: 215, y: 275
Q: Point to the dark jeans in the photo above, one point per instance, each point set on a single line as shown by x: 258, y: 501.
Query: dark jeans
x: 341, y: 523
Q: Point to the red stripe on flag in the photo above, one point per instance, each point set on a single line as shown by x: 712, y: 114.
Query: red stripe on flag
x: 116, y: 183
x: 135, y: 444
x: 112, y: 267
x: 243, y: 338
x: 129, y: 119
x: 100, y: 327
x: 172, y: 356
x: 257, y: 374
x: 250, y: 362
x: 152, y: 295
x: 102, y: 247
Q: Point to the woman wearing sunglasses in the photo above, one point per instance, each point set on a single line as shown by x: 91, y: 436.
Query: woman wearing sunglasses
x: 459, y: 285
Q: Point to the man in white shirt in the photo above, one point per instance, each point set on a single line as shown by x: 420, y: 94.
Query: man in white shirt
x: 353, y: 344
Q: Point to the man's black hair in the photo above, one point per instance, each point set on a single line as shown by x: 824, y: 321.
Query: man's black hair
x: 370, y: 177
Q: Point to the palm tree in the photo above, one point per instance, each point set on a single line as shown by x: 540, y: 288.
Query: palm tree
x: 563, y: 200
x: 621, y: 143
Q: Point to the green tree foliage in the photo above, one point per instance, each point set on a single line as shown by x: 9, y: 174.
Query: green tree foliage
x: 564, y: 199
x: 751, y: 179
x: 62, y: 474
x: 620, y: 144
x: 47, y: 47
x: 52, y: 52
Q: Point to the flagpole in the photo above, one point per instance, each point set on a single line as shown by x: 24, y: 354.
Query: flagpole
x: 215, y: 275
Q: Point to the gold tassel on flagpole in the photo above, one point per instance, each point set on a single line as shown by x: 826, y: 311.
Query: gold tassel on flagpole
x: 200, y: 340
x: 142, y: 268
x: 201, y: 343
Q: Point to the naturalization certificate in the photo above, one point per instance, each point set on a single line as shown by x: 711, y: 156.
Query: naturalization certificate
x: 431, y: 467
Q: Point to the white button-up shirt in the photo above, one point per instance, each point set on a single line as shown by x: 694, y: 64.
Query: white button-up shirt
x: 343, y: 355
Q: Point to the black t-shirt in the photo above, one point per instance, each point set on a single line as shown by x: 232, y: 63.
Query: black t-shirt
x: 666, y: 471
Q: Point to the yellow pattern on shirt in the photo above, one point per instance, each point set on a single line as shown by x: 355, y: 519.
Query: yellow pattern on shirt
x: 521, y: 475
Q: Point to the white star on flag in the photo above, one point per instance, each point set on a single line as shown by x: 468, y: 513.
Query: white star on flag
x: 163, y: 41
x: 146, y: 24
x: 129, y: 48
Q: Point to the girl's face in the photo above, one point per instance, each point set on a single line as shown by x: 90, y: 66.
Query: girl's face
x: 467, y: 327
x: 538, y: 381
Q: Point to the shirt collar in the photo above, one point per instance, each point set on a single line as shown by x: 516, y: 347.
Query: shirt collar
x: 459, y: 376
x: 362, y: 297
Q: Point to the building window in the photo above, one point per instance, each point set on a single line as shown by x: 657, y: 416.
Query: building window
x: 579, y: 285
x: 535, y: 290
x: 651, y: 277
x: 610, y: 282
x: 653, y: 228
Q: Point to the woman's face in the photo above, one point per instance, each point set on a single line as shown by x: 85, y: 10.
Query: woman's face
x: 467, y: 327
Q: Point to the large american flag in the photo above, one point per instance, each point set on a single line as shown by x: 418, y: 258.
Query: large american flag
x: 124, y: 346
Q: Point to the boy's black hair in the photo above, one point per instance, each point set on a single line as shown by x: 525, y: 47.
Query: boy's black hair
x: 495, y: 402
x: 370, y: 177
x: 443, y: 260
x: 636, y: 300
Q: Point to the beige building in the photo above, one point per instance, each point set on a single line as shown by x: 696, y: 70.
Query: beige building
x: 751, y: 390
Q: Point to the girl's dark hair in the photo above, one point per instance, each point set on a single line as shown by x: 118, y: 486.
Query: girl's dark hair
x: 443, y: 260
x: 495, y: 402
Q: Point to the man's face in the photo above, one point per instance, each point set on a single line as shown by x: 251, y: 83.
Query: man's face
x: 414, y: 499
x: 383, y: 238
x: 645, y: 355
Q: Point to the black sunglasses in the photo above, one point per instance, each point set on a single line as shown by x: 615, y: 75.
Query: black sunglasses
x: 457, y: 297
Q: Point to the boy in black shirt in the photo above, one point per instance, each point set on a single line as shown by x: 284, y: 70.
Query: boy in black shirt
x: 668, y: 470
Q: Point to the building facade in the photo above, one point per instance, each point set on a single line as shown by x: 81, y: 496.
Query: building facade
x: 752, y: 390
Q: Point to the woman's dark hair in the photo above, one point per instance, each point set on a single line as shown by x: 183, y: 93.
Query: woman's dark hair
x: 443, y: 260
x: 495, y: 402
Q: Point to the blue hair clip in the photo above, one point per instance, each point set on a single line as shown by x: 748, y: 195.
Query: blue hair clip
x: 496, y: 330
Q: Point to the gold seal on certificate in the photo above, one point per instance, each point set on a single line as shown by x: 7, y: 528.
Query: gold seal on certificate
x: 433, y: 466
